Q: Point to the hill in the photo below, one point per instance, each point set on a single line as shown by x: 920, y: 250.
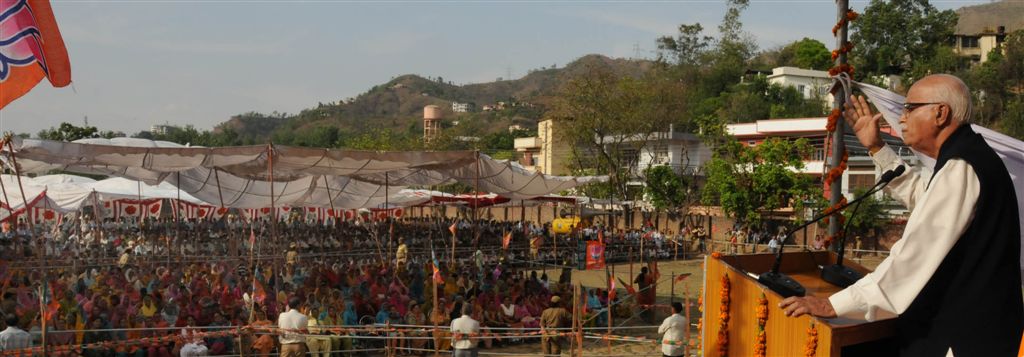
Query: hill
x: 397, y: 106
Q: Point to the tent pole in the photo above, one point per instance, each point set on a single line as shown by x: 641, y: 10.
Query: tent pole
x: 32, y: 234
x: 387, y: 217
x: 330, y: 197
x: 10, y: 212
x: 273, y: 207
x: 138, y: 185
x: 476, y: 204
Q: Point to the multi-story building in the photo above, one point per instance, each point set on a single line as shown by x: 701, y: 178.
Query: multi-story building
x: 461, y: 107
x: 544, y: 153
x: 811, y: 83
x: 861, y: 172
x: 982, y: 28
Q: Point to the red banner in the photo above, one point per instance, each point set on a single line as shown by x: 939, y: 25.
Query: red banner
x: 595, y: 255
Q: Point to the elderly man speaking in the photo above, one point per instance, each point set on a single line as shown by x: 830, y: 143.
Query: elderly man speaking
x: 953, y: 279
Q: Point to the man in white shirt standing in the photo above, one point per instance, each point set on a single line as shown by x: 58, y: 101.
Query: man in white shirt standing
x: 462, y: 328
x: 14, y: 338
x: 673, y: 329
x: 953, y: 280
x: 293, y: 324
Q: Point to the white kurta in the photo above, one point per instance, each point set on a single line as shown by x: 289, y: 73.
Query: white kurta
x: 940, y: 214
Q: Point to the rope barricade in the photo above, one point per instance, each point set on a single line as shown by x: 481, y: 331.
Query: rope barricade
x: 368, y: 332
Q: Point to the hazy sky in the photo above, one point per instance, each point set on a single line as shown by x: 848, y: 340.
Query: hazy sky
x: 139, y: 63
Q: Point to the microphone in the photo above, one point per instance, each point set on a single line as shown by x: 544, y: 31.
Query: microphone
x: 837, y: 274
x: 781, y: 283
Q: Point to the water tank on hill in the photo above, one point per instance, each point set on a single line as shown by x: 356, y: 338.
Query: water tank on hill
x: 431, y: 123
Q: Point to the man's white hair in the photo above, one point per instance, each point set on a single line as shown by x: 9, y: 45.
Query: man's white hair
x: 954, y: 92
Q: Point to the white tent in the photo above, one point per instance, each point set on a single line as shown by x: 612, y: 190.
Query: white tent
x: 249, y: 176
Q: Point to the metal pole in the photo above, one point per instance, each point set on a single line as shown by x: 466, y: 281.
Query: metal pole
x: 838, y: 146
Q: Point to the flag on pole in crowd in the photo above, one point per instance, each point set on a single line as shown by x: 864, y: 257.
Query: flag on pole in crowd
x: 611, y: 290
x: 252, y: 237
x: 595, y: 255
x: 32, y: 48
x: 260, y: 294
x: 600, y: 236
x: 506, y: 240
x: 453, y: 228
x: 629, y: 288
x: 436, y: 267
x: 681, y: 277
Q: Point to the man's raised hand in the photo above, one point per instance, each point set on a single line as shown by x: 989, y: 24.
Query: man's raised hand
x: 864, y: 123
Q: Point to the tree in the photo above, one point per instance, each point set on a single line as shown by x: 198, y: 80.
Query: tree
x: 69, y: 132
x: 687, y: 48
x: 891, y: 36
x: 606, y: 118
x: 812, y: 54
x: 870, y: 215
x: 665, y: 189
x: 750, y: 182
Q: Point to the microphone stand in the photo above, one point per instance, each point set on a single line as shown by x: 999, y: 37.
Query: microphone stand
x: 784, y: 285
x: 837, y: 274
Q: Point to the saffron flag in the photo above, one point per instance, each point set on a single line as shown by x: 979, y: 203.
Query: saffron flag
x: 436, y: 266
x: 260, y: 294
x: 506, y: 240
x: 611, y: 290
x: 30, y: 48
x: 595, y: 255
x: 452, y: 228
x: 682, y: 277
x: 629, y: 288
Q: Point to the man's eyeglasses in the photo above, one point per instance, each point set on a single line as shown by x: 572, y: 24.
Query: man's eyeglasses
x: 909, y: 107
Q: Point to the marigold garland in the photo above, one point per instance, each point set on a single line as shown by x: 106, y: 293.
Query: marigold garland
x: 811, y: 348
x: 850, y: 16
x: 716, y: 255
x: 723, y: 317
x: 696, y: 342
x: 761, y: 343
x: 833, y: 120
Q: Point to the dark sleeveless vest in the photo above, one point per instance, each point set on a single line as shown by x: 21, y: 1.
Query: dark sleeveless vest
x: 973, y: 303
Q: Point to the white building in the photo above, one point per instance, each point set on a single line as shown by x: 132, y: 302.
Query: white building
x: 162, y: 129
x: 812, y: 83
x: 461, y: 107
x: 684, y: 152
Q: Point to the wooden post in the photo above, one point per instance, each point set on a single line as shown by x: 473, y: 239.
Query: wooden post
x: 32, y: 234
x: 686, y: 298
x: 273, y: 208
x: 608, y: 313
x: 436, y: 309
x: 672, y: 297
x: 476, y: 205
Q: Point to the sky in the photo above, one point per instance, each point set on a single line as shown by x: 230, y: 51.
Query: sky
x: 139, y: 63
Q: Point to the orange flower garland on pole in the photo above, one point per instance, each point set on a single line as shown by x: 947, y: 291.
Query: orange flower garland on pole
x: 723, y: 316
x: 761, y: 344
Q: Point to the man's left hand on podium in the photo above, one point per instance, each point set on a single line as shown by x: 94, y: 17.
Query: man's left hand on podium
x: 795, y: 306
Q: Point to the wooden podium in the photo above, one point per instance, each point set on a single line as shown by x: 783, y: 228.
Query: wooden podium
x: 784, y: 336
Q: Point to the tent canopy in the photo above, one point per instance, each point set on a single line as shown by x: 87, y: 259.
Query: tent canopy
x: 249, y: 176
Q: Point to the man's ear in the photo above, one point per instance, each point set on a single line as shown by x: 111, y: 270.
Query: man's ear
x: 943, y: 116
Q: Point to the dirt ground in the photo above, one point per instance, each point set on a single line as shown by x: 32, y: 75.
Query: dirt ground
x: 690, y: 285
